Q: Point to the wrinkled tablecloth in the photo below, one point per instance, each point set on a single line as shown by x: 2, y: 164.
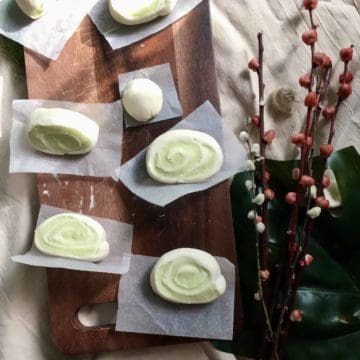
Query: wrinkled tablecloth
x: 24, y: 312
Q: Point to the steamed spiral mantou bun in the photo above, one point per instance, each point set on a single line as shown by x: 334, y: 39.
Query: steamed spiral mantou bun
x: 60, y: 131
x: 34, y: 9
x: 72, y: 236
x: 188, y: 276
x: 134, y: 12
x: 183, y: 156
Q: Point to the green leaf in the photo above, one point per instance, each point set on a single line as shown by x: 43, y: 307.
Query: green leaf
x: 335, y: 348
x: 327, y: 313
x: 329, y: 295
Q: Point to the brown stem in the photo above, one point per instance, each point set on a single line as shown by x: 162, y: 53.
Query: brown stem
x: 287, y: 270
x: 321, y: 91
x: 309, y: 223
x: 264, y: 211
x: 313, y: 66
x: 297, y: 275
x: 263, y: 238
x: 338, y: 103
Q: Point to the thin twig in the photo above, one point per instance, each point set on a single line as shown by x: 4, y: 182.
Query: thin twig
x: 264, y: 237
x: 294, y: 275
x: 338, y: 103
x: 264, y: 211
x: 298, y: 270
x: 262, y: 250
x: 259, y: 279
x: 287, y: 270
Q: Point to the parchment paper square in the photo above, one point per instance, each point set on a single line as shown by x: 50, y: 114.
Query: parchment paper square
x: 49, y: 34
x: 140, y: 310
x: 162, y: 76
x: 118, y: 35
x: 119, y: 236
x: 133, y: 173
x: 101, y: 161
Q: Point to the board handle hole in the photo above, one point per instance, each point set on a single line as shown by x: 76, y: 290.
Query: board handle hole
x: 98, y: 315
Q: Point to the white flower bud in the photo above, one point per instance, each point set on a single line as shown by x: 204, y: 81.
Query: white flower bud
x: 251, y: 215
x: 313, y: 192
x: 255, y: 149
x: 260, y: 227
x: 249, y: 185
x: 250, y: 165
x: 244, y: 136
x: 332, y: 192
x: 258, y: 199
x: 314, y: 212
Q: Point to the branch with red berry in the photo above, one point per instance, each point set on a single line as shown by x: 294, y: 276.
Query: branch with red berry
x: 307, y: 200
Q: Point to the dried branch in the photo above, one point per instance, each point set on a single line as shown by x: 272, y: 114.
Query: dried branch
x: 262, y: 190
x: 305, y: 142
x: 264, y: 237
x: 280, y: 313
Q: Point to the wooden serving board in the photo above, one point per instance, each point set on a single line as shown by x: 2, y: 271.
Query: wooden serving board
x: 87, y: 71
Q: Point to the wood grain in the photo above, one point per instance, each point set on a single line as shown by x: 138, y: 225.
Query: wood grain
x: 87, y: 72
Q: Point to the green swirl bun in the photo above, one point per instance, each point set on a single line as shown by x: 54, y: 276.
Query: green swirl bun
x: 183, y: 156
x: 34, y: 9
x: 134, y: 12
x: 72, y: 236
x: 187, y: 276
x: 61, y: 132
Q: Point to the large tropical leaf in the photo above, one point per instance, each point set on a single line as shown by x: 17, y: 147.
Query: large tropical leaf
x: 329, y: 295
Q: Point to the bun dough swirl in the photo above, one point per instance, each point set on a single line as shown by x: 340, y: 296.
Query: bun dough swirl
x: 61, y: 132
x: 133, y: 12
x: 32, y: 8
x: 72, y: 236
x: 188, y: 276
x: 183, y: 156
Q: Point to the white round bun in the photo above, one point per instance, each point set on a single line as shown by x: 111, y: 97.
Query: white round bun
x: 142, y: 99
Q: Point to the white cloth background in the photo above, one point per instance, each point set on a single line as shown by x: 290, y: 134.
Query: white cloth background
x: 24, y: 314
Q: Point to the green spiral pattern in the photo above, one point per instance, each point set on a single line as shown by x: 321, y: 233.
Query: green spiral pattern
x: 72, y: 236
x: 185, y: 280
x: 184, y: 156
x: 57, y: 139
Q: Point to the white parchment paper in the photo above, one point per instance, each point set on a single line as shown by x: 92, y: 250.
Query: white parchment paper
x: 48, y: 34
x: 119, y: 35
x: 101, y: 161
x: 162, y: 76
x: 118, y: 234
x: 140, y: 310
x: 133, y: 174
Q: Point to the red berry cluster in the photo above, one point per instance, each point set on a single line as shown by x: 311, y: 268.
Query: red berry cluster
x: 345, y: 79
